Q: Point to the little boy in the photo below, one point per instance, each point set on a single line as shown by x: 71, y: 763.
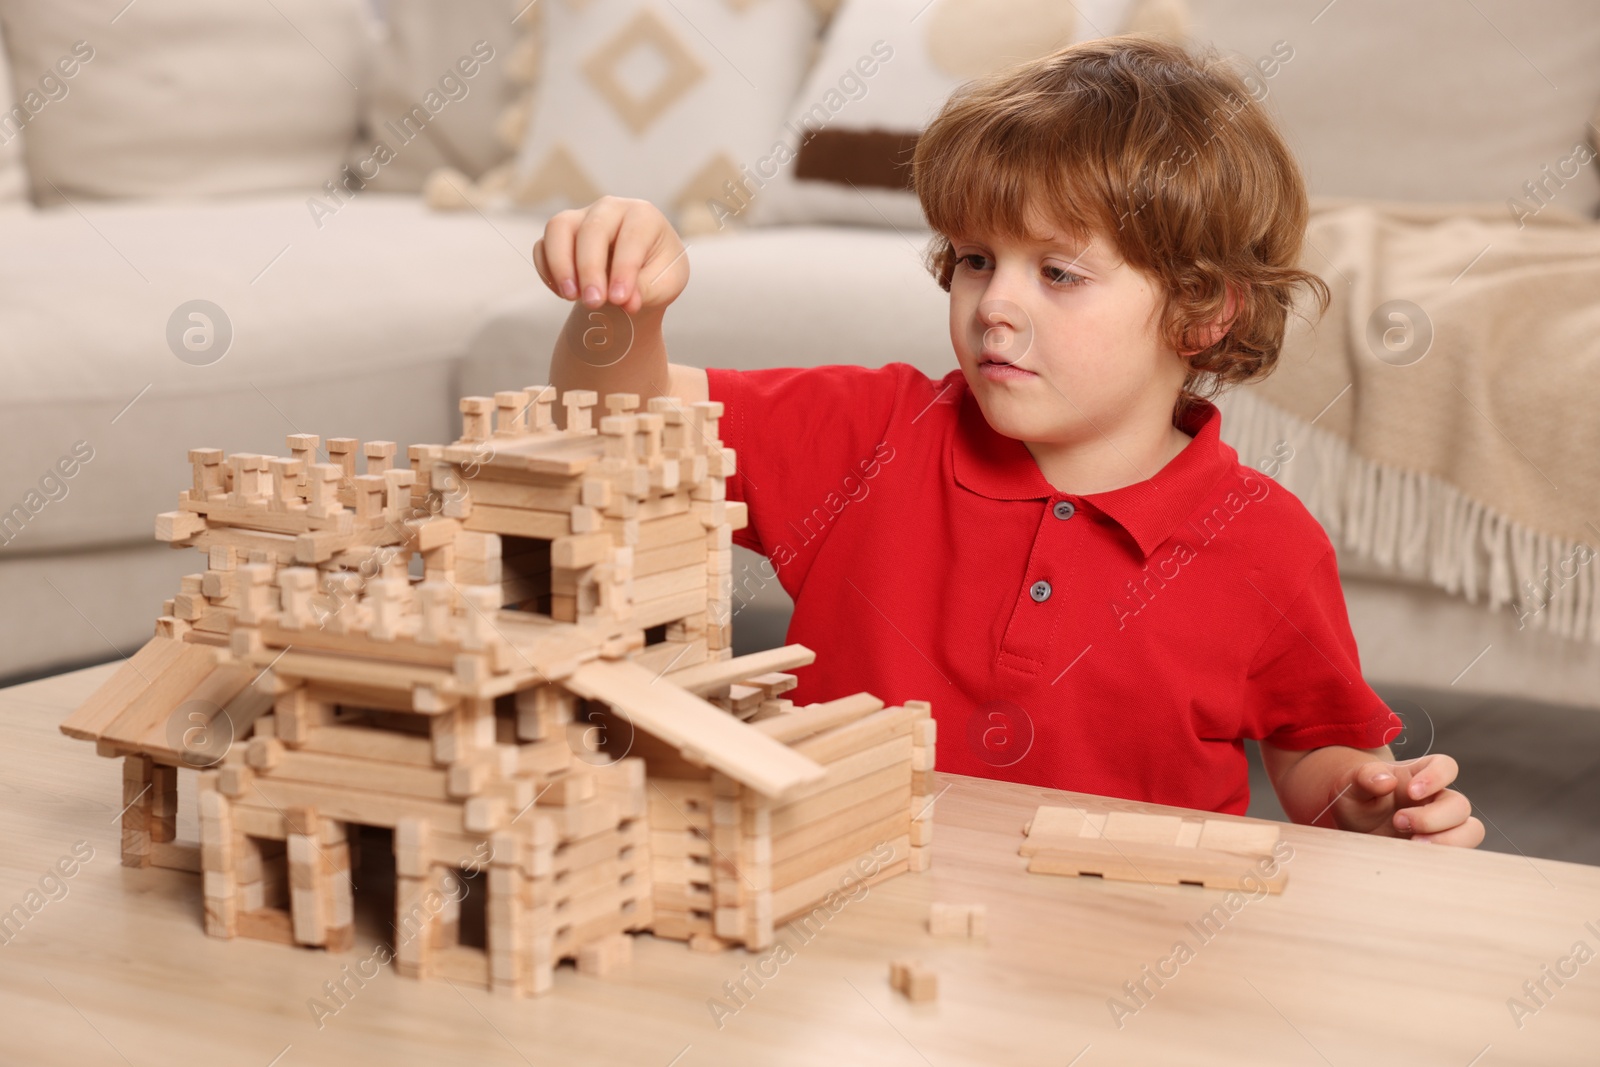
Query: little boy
x: 1051, y: 543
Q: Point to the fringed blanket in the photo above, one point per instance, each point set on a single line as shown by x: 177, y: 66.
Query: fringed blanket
x: 1470, y: 459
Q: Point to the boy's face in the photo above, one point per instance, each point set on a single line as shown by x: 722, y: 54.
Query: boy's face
x: 1059, y: 342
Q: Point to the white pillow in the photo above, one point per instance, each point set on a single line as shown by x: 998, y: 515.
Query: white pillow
x: 660, y: 100
x: 441, y: 78
x: 188, y: 97
x: 885, y: 69
x: 13, y: 178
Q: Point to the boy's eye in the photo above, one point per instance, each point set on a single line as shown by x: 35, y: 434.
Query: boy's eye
x: 1062, y: 277
x: 972, y: 260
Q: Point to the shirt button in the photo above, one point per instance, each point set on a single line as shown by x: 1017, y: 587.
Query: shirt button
x: 1040, y: 591
x: 1064, y: 509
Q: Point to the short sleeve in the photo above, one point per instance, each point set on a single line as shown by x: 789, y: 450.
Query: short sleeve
x: 802, y: 437
x: 1304, y: 687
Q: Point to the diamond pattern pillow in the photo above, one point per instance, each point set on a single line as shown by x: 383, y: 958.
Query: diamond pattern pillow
x: 667, y: 100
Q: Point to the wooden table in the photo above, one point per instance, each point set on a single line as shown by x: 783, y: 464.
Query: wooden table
x: 1379, y: 951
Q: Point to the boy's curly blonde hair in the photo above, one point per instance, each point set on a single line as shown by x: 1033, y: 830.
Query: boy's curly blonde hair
x: 1164, y: 152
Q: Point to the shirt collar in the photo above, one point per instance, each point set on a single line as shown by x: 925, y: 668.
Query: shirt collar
x: 991, y: 464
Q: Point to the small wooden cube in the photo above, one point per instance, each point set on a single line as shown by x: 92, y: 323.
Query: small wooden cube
x: 947, y: 920
x: 958, y: 920
x: 917, y: 982
x: 606, y: 954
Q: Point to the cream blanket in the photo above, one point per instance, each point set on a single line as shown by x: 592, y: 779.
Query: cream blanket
x: 1476, y: 466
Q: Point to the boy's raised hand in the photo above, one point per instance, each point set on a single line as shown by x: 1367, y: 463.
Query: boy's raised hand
x: 1408, y: 799
x: 616, y: 251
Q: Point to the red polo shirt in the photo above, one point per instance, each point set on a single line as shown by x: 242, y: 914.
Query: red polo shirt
x: 1120, y: 643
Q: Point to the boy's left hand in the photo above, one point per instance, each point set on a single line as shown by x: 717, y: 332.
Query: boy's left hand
x: 1408, y: 799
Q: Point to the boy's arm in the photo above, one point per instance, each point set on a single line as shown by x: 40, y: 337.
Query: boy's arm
x: 1367, y: 791
x: 622, y: 264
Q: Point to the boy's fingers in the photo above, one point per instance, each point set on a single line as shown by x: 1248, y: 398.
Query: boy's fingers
x: 557, y: 245
x: 628, y: 256
x: 595, y: 236
x: 541, y: 266
x: 1448, y: 809
x: 1372, y: 780
x: 1468, y: 835
x: 665, y: 260
x: 1426, y: 775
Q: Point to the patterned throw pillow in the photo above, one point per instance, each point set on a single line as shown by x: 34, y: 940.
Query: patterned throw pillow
x: 444, y: 78
x: 668, y: 100
x: 886, y: 68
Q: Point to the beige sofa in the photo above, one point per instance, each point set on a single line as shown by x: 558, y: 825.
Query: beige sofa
x: 349, y: 319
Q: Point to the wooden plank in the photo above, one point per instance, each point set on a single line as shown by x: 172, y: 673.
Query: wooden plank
x: 710, y: 677
x: 319, y: 768
x: 668, y: 557
x: 660, y: 532
x: 682, y: 719
x: 843, y: 846
x: 893, y: 753
x: 1250, y: 838
x: 649, y: 613
x: 176, y: 856
x: 812, y: 834
x: 518, y: 522
x: 370, y: 743
x: 842, y: 878
x: 266, y: 924
x: 690, y: 579
x: 829, y: 745
x: 814, y: 718
x: 337, y: 669
x: 402, y: 648
x: 167, y: 691
x: 526, y: 495
x: 1157, y: 864
x: 111, y: 699
x: 1142, y: 828
x: 793, y: 816
x: 351, y: 805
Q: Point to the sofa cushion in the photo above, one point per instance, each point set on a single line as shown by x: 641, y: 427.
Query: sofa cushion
x: 354, y: 329
x: 442, y: 76
x: 1431, y: 99
x: 664, y: 101
x: 189, y: 97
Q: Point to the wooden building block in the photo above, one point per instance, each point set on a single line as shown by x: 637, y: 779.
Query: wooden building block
x: 917, y: 982
x: 605, y: 955
x: 1151, y: 848
x: 958, y: 920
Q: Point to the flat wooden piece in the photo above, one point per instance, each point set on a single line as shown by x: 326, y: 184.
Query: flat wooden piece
x: 91, y: 719
x: 1154, y: 848
x: 682, y: 719
x: 706, y: 677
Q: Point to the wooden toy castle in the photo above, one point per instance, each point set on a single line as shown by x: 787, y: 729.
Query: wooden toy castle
x: 514, y: 654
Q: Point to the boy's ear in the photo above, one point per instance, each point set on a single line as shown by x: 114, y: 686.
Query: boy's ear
x: 1214, y: 330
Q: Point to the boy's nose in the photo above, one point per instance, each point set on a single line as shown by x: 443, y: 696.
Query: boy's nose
x: 1008, y: 329
x: 995, y: 310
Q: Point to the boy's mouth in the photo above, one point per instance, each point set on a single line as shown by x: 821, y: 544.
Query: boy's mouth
x: 992, y: 365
